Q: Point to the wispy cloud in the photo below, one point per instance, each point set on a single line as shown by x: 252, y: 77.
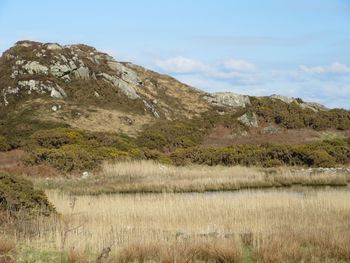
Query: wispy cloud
x: 235, y: 71
x: 181, y: 65
x: 258, y: 40
x: 334, y: 68
x: 312, y: 83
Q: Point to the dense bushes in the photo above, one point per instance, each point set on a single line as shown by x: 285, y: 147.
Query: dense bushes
x: 318, y: 154
x: 168, y: 135
x: 293, y: 116
x: 4, y: 145
x: 18, y: 195
x: 17, y: 127
x: 72, y: 149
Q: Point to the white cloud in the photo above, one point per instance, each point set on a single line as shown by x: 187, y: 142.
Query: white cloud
x: 238, y: 65
x: 233, y: 71
x: 181, y: 65
x: 335, y: 68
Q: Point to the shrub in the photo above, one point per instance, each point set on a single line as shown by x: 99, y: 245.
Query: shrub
x: 18, y: 194
x: 75, y: 157
x: 168, y: 135
x: 319, y: 154
x: 4, y: 145
x: 55, y: 138
x: 291, y: 115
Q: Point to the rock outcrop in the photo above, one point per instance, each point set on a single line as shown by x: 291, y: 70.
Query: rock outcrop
x: 304, y: 105
x: 83, y: 74
x: 228, y: 99
x: 249, y: 119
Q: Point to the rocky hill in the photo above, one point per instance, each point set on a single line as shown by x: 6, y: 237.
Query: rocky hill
x: 45, y: 86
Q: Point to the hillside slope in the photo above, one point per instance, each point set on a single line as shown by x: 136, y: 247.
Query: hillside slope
x: 75, y: 102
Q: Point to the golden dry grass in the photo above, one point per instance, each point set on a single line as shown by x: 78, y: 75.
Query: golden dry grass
x: 151, y: 177
x: 277, y: 226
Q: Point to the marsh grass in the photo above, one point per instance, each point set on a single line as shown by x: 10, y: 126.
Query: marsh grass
x: 152, y: 177
x: 272, y: 226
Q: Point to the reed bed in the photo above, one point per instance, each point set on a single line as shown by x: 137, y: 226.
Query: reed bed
x: 270, y: 226
x: 152, y: 177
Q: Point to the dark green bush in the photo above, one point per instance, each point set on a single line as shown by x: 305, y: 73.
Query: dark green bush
x: 4, y: 145
x: 75, y: 157
x: 56, y: 138
x: 168, y: 135
x: 318, y: 154
x: 18, y: 195
x: 292, y: 116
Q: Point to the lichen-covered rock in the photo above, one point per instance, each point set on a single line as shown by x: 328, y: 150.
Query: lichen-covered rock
x: 228, y: 99
x: 249, y: 119
x: 126, y: 73
x: 59, y: 70
x: 122, y: 85
x: 53, y: 46
x: 304, y: 105
x: 285, y: 99
x: 82, y: 73
x: 40, y: 87
x: 34, y: 67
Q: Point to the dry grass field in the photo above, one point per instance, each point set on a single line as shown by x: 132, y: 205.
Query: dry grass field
x: 262, y: 226
x: 151, y: 177
x: 148, y: 212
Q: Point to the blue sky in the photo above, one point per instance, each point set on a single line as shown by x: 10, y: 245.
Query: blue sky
x: 296, y: 48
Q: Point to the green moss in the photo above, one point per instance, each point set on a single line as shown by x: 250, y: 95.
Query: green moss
x: 18, y: 195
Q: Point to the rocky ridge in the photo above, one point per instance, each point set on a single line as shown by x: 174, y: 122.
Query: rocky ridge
x: 72, y: 77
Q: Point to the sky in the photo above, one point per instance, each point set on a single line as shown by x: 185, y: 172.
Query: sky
x: 294, y: 48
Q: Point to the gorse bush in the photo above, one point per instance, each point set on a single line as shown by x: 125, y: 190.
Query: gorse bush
x: 18, y: 195
x: 318, y: 154
x: 17, y: 127
x: 292, y: 116
x: 72, y: 149
x: 168, y: 135
x: 4, y: 145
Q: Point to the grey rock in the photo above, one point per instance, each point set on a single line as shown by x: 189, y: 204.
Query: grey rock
x: 82, y: 73
x: 58, y: 70
x: 304, y: 105
x: 125, y: 73
x: 8, y: 91
x: 228, y: 99
x: 53, y: 46
x: 270, y: 130
x: 125, y: 87
x: 34, y: 67
x: 249, y: 119
x: 39, y: 87
x: 151, y: 108
x: 25, y: 44
x: 285, y: 99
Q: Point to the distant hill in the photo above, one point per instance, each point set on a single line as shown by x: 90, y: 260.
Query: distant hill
x: 47, y: 86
